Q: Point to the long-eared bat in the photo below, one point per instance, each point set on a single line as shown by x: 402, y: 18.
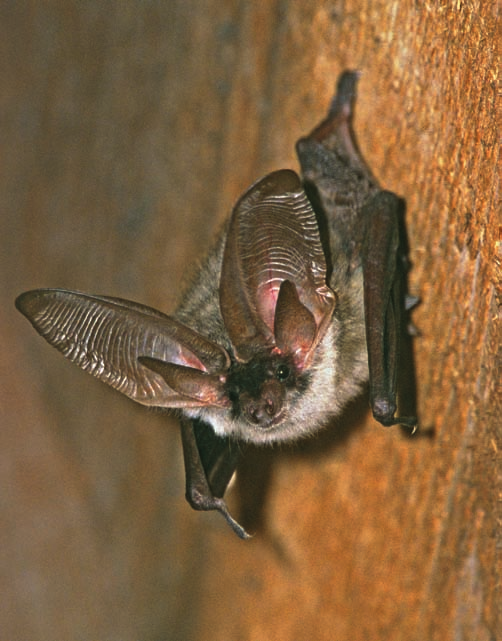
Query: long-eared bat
x: 299, y: 304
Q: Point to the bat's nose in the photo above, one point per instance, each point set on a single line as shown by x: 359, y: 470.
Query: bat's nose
x: 262, y: 411
x: 265, y: 410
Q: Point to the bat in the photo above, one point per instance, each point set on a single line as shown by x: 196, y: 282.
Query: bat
x: 299, y: 305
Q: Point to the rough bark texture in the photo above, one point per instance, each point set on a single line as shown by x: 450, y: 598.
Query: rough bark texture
x: 128, y: 130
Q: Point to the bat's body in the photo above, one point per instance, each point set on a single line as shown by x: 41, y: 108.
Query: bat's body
x: 295, y: 309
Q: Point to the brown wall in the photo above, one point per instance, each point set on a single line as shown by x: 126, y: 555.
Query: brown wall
x: 128, y: 129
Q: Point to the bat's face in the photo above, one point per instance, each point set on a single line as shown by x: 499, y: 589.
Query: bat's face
x: 261, y: 390
x: 271, y: 398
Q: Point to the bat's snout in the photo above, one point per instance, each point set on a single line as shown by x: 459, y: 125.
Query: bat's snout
x: 268, y: 408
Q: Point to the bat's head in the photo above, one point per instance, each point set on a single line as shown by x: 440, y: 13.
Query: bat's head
x: 259, y: 391
x: 275, y: 307
x: 271, y: 397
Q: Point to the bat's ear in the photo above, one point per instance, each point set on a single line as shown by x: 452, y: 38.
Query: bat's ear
x: 148, y: 356
x: 273, y: 290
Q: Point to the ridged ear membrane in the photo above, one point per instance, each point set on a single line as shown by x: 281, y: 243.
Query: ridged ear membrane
x: 273, y: 237
x: 106, y: 337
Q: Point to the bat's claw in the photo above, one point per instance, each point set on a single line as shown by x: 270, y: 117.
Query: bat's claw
x: 409, y: 423
x: 221, y: 506
x: 410, y: 301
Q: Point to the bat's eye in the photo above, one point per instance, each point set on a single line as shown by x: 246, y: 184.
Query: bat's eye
x: 282, y: 373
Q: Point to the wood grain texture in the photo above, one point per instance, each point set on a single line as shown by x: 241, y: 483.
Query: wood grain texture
x: 128, y: 131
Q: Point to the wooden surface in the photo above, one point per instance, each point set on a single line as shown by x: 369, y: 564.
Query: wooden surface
x: 128, y: 130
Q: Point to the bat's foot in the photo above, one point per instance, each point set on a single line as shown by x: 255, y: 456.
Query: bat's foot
x: 383, y: 412
x: 340, y: 111
x: 335, y: 132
